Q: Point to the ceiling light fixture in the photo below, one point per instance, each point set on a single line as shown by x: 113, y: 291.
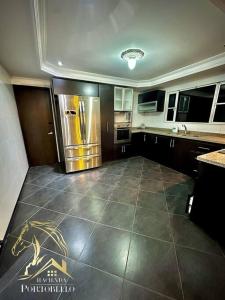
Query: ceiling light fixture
x: 60, y: 63
x: 131, y: 56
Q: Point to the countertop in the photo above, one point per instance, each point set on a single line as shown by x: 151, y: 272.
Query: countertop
x: 213, y: 158
x: 191, y: 135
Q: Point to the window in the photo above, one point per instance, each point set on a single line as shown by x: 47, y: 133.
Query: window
x: 195, y: 105
x: 202, y: 105
x: 219, y: 115
x: 171, y: 107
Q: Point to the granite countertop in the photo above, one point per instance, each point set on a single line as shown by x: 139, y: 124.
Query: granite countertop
x: 191, y: 135
x: 213, y: 158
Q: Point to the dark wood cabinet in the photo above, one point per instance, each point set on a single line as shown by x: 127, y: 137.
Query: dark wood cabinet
x: 122, y: 151
x: 177, y: 153
x: 74, y: 87
x: 207, y: 208
x: 106, y: 94
x: 138, y: 145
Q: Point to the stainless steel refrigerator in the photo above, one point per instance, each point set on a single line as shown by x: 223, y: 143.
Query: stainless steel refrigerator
x: 81, y: 132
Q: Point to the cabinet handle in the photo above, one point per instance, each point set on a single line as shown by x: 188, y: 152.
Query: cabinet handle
x: 124, y: 148
x: 173, y: 142
x: 144, y: 137
x: 107, y: 126
x: 156, y: 140
x: 170, y: 143
x: 204, y: 148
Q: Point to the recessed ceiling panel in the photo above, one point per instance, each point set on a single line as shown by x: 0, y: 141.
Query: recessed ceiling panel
x: 89, y: 35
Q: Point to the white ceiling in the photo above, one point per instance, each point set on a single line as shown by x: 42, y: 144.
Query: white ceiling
x: 89, y: 35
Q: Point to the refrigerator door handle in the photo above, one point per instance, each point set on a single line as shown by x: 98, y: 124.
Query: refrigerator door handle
x: 84, y: 121
x: 81, y: 121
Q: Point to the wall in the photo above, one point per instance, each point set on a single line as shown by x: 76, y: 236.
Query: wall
x: 13, y: 159
x: 158, y: 119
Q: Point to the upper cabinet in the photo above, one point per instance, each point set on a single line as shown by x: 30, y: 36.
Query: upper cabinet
x: 151, y: 101
x: 123, y: 99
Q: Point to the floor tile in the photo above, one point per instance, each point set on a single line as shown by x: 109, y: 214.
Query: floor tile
x: 41, y: 197
x: 45, y: 179
x: 28, y: 190
x: 153, y: 223
x: 149, y: 263
x: 118, y: 215
x: 152, y: 186
x: 132, y: 291
x: 12, y: 261
x: 41, y: 225
x: 80, y: 186
x: 135, y: 172
x: 13, y: 290
x: 42, y: 169
x: 176, y: 204
x: 63, y: 202
x: 107, y: 250
x: 61, y: 183
x: 202, y: 275
x: 172, y: 188
x: 110, y: 179
x: 32, y: 176
x: 22, y: 212
x: 151, y: 175
x: 186, y: 233
x: 101, y: 190
x: 92, y: 284
x: 154, y: 201
x: 129, y: 182
x: 75, y: 233
x: 99, y: 251
x: 124, y: 195
x: 175, y: 177
x: 88, y: 207
x: 115, y: 170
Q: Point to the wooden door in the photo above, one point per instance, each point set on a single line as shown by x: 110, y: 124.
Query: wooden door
x: 34, y: 108
x: 106, y: 94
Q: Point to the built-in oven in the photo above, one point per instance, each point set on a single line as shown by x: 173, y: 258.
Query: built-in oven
x: 122, y: 133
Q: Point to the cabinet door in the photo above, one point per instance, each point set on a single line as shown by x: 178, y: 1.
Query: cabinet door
x: 118, y: 98
x: 122, y: 151
x: 118, y: 151
x: 127, y: 99
x: 127, y: 150
x: 106, y: 93
x: 137, y: 143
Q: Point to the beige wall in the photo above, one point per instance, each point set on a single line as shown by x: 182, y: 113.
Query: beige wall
x: 13, y: 159
x: 158, y: 119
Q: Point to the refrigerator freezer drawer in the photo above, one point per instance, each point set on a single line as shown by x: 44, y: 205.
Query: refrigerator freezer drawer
x: 82, y: 163
x: 82, y: 150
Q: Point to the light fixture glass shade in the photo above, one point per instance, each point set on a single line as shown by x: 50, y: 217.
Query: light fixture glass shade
x: 131, y: 63
x: 131, y: 56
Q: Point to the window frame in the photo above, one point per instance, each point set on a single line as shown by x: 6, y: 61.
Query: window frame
x: 174, y: 108
x: 215, y: 103
x: 213, y: 108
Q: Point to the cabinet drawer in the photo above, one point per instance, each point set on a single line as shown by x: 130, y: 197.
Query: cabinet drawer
x: 82, y: 150
x: 82, y: 163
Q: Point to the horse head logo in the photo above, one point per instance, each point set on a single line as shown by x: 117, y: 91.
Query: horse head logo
x: 35, y: 267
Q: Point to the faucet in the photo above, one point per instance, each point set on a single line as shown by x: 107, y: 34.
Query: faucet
x: 185, y: 129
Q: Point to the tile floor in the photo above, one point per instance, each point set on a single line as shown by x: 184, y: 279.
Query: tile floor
x: 126, y: 230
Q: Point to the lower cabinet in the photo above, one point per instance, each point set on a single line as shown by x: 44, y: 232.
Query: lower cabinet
x: 122, y: 151
x: 177, y: 153
x: 207, y: 207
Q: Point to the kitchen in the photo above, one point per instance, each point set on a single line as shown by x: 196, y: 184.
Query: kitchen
x: 116, y: 173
